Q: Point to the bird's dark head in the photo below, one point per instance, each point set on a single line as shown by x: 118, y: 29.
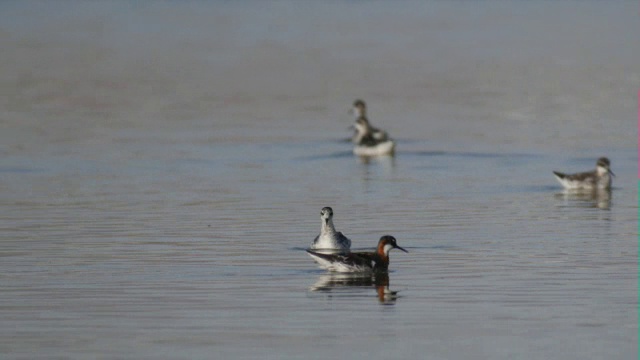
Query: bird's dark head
x: 326, y: 214
x: 387, y: 243
x: 604, y: 166
x: 359, y: 108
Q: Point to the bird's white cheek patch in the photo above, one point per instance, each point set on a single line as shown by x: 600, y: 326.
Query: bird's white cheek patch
x: 387, y: 248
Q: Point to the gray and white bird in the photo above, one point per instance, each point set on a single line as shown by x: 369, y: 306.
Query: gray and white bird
x: 600, y: 178
x: 329, y: 238
x: 369, y: 140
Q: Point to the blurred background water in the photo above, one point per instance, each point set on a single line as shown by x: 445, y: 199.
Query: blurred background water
x: 163, y: 166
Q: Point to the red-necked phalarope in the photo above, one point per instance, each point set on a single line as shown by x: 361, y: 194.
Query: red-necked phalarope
x: 600, y: 178
x: 369, y: 141
x: 358, y: 261
x: 329, y: 238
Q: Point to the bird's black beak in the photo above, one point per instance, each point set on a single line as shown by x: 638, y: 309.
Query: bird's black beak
x: 611, y: 172
x: 401, y: 248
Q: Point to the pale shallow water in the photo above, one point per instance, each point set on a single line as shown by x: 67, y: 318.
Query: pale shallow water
x: 164, y: 165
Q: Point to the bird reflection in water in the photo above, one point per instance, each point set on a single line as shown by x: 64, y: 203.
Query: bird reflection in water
x: 333, y: 283
x: 596, y: 198
x: 387, y: 162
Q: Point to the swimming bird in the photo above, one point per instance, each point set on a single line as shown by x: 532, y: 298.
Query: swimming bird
x: 368, y: 145
x: 329, y: 238
x: 362, y: 126
x: 369, y: 140
x: 600, y: 178
x: 358, y: 262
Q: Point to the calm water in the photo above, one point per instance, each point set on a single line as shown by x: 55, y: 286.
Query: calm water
x: 164, y: 165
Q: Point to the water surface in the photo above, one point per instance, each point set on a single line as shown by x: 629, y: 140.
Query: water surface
x: 164, y: 165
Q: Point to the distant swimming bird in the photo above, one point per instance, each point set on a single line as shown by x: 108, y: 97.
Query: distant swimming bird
x: 329, y: 238
x: 358, y: 261
x: 368, y: 145
x: 369, y: 140
x: 600, y: 178
x: 359, y: 109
